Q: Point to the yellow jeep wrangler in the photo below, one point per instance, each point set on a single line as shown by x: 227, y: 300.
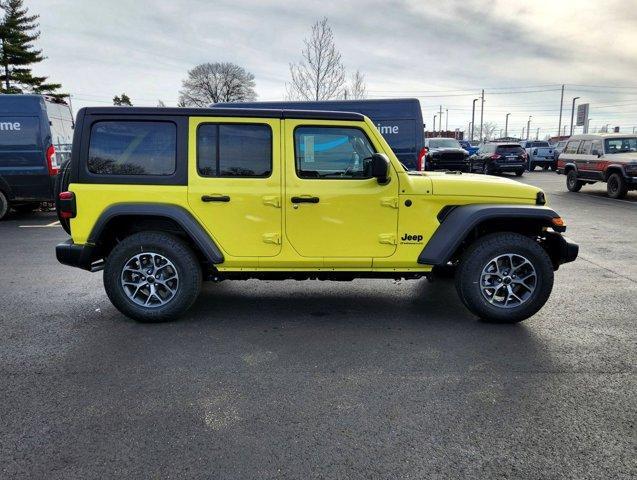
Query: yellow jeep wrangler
x: 163, y: 198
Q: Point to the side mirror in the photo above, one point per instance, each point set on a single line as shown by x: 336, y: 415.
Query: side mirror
x: 380, y: 167
x: 596, y: 152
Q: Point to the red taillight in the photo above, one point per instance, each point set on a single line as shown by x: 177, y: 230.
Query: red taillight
x: 495, y: 156
x: 420, y: 164
x: 52, y: 161
x: 66, y: 205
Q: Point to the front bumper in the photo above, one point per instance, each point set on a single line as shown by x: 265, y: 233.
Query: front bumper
x: 80, y: 256
x: 561, y: 248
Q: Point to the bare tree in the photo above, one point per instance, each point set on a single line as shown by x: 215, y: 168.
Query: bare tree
x: 216, y: 82
x: 488, y: 130
x: 160, y: 104
x: 357, y: 89
x: 320, y: 75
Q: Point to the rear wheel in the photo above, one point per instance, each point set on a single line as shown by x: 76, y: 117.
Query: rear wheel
x: 4, y: 205
x: 504, y: 277
x: 572, y: 183
x: 152, y: 277
x: 519, y: 173
x: 616, y: 186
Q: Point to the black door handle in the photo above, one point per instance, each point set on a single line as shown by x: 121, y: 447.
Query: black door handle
x: 215, y: 198
x: 304, y: 199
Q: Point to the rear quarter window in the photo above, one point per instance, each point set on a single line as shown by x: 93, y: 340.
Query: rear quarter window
x: 508, y: 149
x: 119, y: 147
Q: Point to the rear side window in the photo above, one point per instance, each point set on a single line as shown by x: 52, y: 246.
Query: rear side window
x: 132, y: 148
x: 585, y: 148
x: 234, y: 150
x: 571, y: 147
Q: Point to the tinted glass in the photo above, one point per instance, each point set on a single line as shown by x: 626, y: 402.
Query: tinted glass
x: 540, y: 144
x: 324, y: 152
x: 443, y: 143
x: 596, y: 148
x: 621, y: 145
x: 19, y: 133
x: 234, y: 150
x: 510, y: 149
x: 132, y: 148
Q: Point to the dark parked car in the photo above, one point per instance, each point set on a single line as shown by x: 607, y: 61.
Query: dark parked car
x: 499, y: 157
x: 445, y: 154
x: 28, y: 164
x: 399, y: 120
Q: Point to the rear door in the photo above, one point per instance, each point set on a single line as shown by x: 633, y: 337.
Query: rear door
x: 234, y: 183
x: 22, y: 158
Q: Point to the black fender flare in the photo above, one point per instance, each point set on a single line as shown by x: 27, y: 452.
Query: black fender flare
x: 178, y: 214
x: 457, y: 224
x: 569, y: 165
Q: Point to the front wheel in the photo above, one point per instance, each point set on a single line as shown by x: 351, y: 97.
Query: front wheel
x: 4, y: 205
x: 504, y: 277
x: 616, y: 186
x: 152, y: 277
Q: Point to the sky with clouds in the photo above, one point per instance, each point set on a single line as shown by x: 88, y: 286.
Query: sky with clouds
x: 443, y: 52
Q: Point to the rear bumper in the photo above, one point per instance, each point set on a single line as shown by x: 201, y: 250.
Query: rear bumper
x: 509, y: 167
x: 80, y: 256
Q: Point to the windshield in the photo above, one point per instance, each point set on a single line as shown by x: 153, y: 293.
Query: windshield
x: 444, y: 143
x: 620, y: 145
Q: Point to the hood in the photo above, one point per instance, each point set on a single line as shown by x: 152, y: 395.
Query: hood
x: 626, y: 157
x: 473, y: 185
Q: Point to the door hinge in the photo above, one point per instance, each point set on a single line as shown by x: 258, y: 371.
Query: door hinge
x: 387, y: 238
x: 274, y: 201
x: 389, y: 202
x: 274, y: 238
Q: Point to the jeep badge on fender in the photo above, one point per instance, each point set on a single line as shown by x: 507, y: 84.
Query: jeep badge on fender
x: 151, y: 198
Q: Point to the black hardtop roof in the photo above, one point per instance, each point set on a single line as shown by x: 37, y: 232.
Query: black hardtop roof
x: 224, y: 112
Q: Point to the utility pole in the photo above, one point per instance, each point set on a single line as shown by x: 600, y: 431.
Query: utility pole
x: 473, y: 116
x: 481, y: 114
x: 522, y: 133
x: 447, y: 119
x: 528, y: 127
x: 434, y: 127
x: 537, y: 134
x: 559, y: 125
x: 506, y: 126
x: 573, y: 113
x: 471, y: 128
x: 500, y: 133
x: 440, y: 121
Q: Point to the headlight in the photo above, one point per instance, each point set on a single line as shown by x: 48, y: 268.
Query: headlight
x: 631, y: 169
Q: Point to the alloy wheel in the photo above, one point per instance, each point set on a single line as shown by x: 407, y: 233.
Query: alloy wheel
x: 149, y: 280
x: 508, y: 280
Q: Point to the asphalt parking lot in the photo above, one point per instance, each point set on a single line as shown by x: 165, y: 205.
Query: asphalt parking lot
x: 369, y: 379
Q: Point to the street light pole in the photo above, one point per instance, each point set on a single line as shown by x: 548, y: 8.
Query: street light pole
x: 559, y: 125
x: 528, y: 127
x: 481, y: 114
x: 434, y: 127
x: 537, y: 134
x: 440, y: 121
x: 573, y: 113
x: 506, y: 126
x: 473, y: 116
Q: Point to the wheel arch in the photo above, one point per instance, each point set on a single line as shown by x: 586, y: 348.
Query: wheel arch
x: 460, y: 226
x: 613, y: 168
x: 122, y: 220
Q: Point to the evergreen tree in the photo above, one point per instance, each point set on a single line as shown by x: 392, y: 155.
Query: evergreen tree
x: 18, y: 31
x: 122, y: 100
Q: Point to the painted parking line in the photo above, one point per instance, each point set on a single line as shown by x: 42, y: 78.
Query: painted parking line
x: 610, y: 199
x: 49, y: 225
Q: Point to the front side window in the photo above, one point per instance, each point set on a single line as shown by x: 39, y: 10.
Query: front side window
x: 132, y: 148
x: 332, y: 152
x: 621, y: 145
x: 234, y: 150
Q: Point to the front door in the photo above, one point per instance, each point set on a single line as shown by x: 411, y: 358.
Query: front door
x: 234, y: 183
x: 334, y: 209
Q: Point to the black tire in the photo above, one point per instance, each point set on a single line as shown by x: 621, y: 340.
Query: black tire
x: 519, y: 173
x: 171, y: 248
x: 531, y: 166
x: 545, y: 167
x: 572, y: 183
x: 4, y: 205
x: 480, y: 254
x: 616, y: 186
